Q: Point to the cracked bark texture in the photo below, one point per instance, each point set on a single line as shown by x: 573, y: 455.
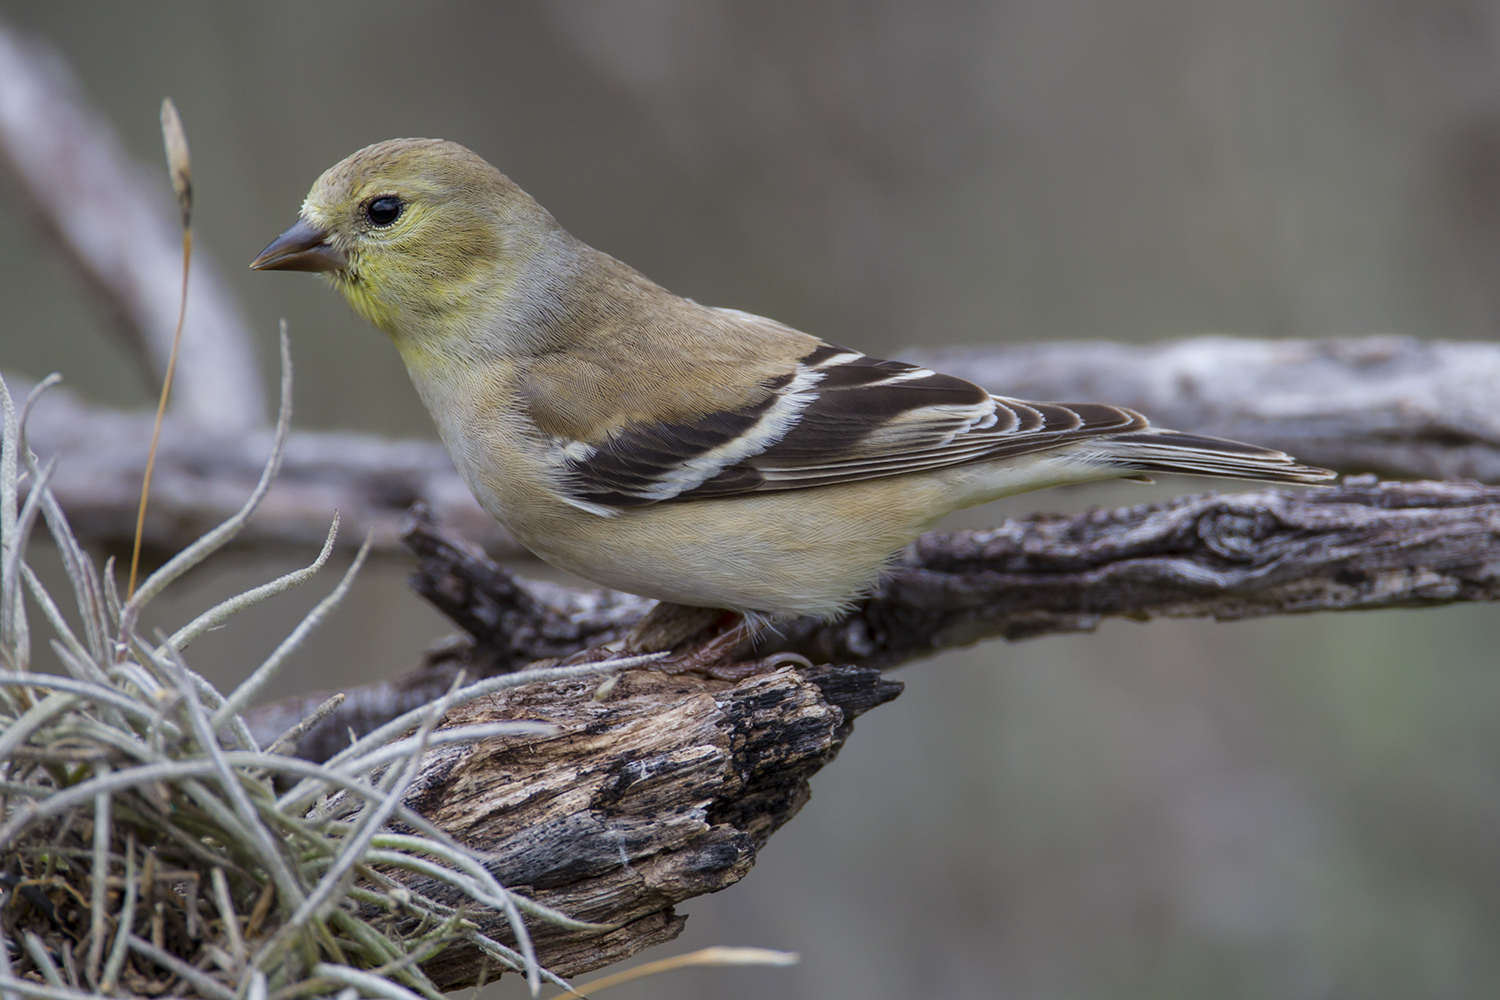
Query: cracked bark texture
x: 663, y: 790
x: 666, y: 787
x: 1361, y: 546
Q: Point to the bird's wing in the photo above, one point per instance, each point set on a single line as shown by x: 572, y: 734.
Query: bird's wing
x: 839, y: 416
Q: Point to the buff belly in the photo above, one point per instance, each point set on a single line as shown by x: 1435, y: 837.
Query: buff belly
x: 800, y: 552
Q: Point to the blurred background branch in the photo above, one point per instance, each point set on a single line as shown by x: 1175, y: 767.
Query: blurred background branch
x: 1392, y: 405
x: 114, y: 224
x: 1398, y: 407
x: 204, y: 475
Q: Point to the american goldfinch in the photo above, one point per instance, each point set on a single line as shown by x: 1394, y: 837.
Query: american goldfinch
x: 705, y: 457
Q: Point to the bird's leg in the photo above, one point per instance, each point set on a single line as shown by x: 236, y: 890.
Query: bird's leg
x: 591, y: 654
x: 711, y: 658
x: 669, y: 626
x: 677, y: 627
x: 666, y: 627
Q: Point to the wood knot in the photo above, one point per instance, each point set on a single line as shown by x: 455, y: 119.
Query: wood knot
x: 1235, y: 535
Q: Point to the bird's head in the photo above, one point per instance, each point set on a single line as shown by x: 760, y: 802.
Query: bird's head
x: 422, y: 236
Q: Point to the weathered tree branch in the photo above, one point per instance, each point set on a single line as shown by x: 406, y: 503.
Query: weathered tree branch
x: 1361, y: 546
x: 116, y: 227
x: 663, y: 790
x: 658, y: 788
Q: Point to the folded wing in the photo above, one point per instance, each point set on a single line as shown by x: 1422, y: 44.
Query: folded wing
x: 842, y: 416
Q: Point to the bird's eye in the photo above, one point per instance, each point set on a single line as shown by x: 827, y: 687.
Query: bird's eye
x: 384, y: 210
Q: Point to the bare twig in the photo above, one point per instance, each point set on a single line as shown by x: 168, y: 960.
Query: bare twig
x: 180, y: 169
x: 710, y: 957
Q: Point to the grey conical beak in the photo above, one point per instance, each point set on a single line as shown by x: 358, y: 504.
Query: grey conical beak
x: 303, y: 247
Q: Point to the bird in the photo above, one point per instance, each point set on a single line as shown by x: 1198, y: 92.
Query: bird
x: 706, y: 457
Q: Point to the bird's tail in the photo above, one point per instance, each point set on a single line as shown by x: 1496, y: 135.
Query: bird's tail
x: 1195, y: 455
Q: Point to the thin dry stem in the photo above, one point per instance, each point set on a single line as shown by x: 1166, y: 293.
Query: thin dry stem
x: 161, y: 412
x: 179, y: 170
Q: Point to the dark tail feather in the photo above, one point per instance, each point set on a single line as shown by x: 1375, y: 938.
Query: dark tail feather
x: 1195, y: 455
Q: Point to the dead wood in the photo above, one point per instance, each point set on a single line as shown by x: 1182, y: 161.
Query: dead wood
x: 663, y: 790
x: 660, y: 788
x: 1361, y: 546
x: 1365, y: 545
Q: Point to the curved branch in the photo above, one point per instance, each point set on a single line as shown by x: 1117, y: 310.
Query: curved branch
x: 1361, y: 546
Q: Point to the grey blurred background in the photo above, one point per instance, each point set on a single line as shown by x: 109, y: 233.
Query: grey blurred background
x: 1298, y: 808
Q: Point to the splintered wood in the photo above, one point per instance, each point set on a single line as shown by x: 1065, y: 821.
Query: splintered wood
x: 663, y: 790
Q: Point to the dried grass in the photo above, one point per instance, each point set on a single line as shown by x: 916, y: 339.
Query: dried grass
x: 145, y: 848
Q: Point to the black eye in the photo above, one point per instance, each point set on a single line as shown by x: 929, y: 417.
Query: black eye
x: 384, y: 210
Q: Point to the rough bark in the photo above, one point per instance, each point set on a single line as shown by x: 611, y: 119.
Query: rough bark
x: 1361, y: 546
x: 663, y: 790
x: 665, y: 787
